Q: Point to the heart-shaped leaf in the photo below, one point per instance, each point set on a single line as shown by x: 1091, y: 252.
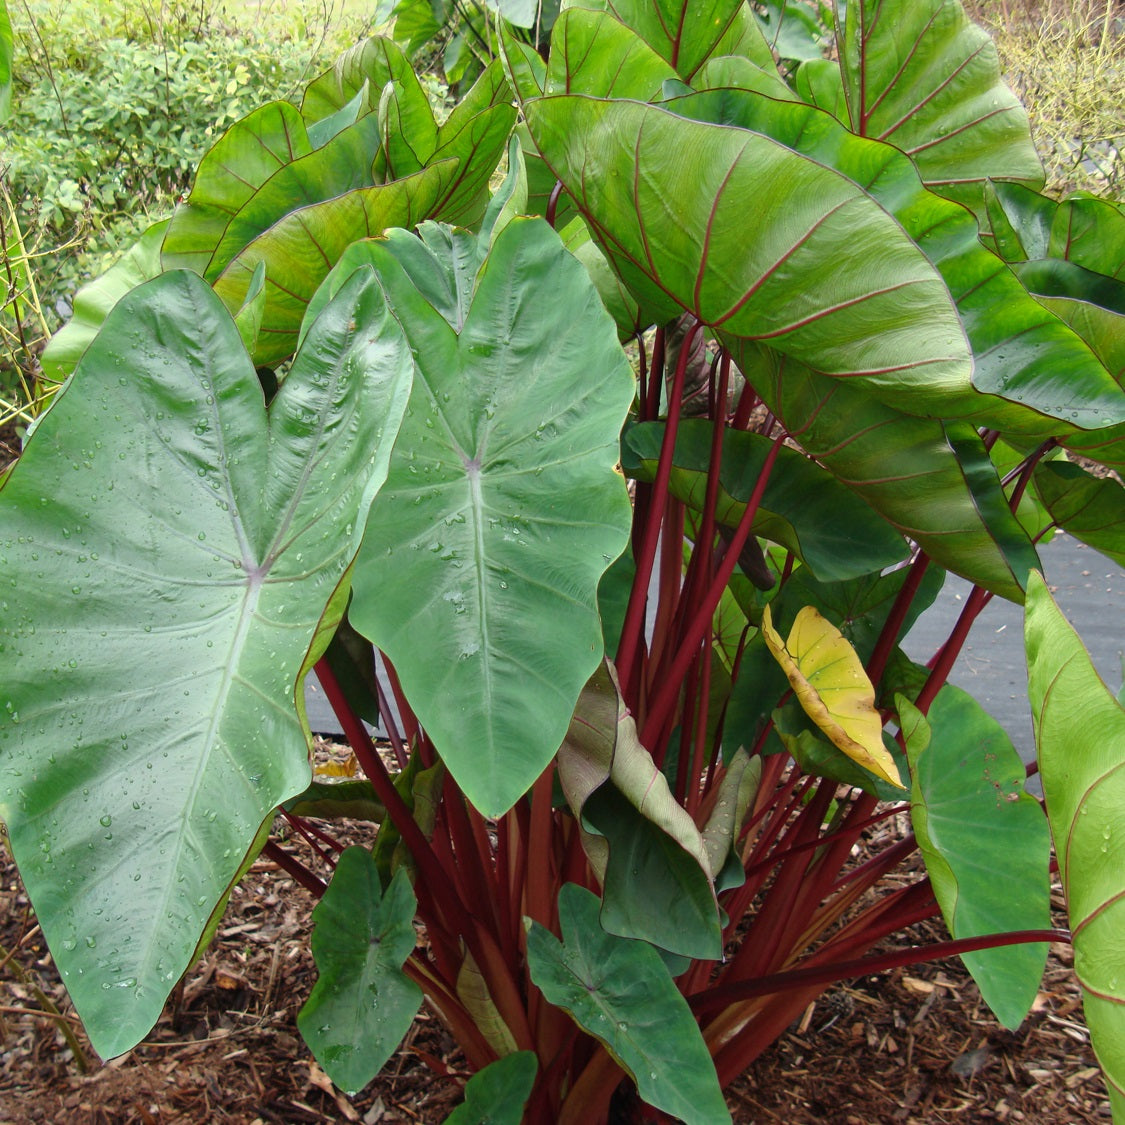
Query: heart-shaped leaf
x: 968, y: 786
x: 177, y: 544
x: 1080, y: 736
x: 362, y: 1003
x: 620, y: 992
x: 502, y: 505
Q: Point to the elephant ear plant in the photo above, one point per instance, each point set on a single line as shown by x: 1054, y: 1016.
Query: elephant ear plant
x: 637, y: 611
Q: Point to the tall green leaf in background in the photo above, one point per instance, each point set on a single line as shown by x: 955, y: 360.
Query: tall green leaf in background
x: 922, y: 77
x: 502, y: 507
x: 1080, y: 738
x: 178, y: 544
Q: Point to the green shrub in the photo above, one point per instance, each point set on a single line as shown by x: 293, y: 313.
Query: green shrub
x: 113, y: 106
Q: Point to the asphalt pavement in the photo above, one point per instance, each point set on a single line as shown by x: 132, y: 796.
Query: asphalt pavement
x: 1089, y: 588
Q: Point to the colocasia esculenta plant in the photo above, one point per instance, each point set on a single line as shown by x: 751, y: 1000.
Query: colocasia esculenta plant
x: 631, y: 474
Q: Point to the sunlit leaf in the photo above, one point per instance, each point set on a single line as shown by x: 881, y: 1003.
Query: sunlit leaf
x: 834, y: 691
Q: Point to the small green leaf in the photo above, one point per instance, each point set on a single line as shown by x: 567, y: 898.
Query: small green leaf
x: 619, y: 991
x: 362, y: 1003
x: 498, y: 1094
x: 5, y: 63
x: 968, y: 787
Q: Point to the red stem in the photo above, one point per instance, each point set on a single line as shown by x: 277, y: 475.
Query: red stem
x: 633, y: 629
x: 665, y: 702
x: 295, y: 869
x: 722, y: 996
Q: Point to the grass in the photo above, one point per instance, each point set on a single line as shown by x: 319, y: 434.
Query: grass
x: 1066, y: 62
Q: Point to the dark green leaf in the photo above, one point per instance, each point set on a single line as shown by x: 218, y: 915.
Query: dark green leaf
x: 934, y: 482
x: 498, y: 1094
x: 803, y: 508
x: 1090, y: 508
x: 362, y: 1003
x: 619, y: 991
x: 180, y: 543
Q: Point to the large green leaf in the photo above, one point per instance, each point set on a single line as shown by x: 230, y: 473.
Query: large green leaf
x: 593, y: 53
x: 238, y: 164
x: 1091, y: 508
x: 644, y: 847
x: 372, y: 63
x: 687, y: 33
x: 176, y: 545
x: 1080, y: 736
x: 922, y: 77
x: 670, y: 199
x: 968, y: 787
x: 362, y: 1003
x: 140, y: 263
x: 803, y: 508
x: 301, y: 248
x: 498, y: 1094
x: 934, y: 482
x: 478, y: 575
x: 1035, y: 375
x: 619, y: 991
x: 343, y: 164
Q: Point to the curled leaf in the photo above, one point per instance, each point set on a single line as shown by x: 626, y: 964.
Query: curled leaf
x: 832, y: 687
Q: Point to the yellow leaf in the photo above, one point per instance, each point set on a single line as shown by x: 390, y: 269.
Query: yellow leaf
x: 832, y: 688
